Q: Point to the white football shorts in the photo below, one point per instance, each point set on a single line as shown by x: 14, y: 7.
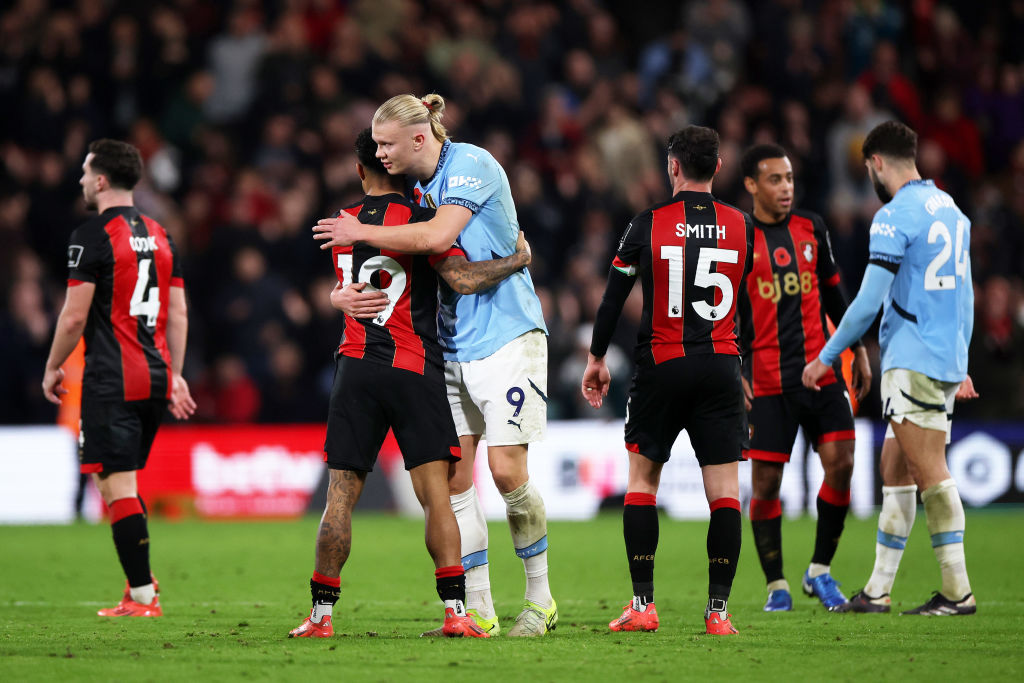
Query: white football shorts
x: 909, y: 395
x: 503, y: 397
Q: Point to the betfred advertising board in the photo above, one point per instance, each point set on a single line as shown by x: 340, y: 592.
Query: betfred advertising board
x: 245, y: 471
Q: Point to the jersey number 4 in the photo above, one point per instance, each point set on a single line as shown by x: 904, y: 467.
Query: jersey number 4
x: 932, y: 280
x: 703, y: 277
x: 145, y: 300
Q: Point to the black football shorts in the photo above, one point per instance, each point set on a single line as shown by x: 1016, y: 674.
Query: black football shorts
x: 368, y: 398
x: 116, y: 436
x: 701, y: 394
x: 825, y: 416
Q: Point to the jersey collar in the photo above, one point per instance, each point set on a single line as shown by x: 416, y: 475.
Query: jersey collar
x: 445, y: 148
x: 919, y: 181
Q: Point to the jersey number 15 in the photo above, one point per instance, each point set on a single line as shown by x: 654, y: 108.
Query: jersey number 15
x: 703, y: 278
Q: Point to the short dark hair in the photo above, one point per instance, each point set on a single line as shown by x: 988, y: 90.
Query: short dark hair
x: 758, y: 153
x: 366, y: 152
x: 120, y: 162
x: 891, y: 139
x: 696, y: 150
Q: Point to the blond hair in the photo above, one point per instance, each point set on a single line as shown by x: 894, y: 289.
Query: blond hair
x: 409, y: 110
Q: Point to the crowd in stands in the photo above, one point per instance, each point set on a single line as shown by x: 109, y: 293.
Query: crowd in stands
x: 246, y: 112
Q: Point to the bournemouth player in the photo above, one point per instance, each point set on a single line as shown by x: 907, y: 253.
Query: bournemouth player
x: 691, y: 254
x: 793, y: 283
x: 919, y: 271
x: 381, y: 363
x: 495, y: 344
x: 126, y: 296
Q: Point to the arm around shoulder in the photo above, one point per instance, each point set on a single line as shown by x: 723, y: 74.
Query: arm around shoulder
x: 467, y: 277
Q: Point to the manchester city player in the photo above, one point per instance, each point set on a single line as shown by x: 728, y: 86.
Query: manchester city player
x: 920, y: 269
x: 494, y: 342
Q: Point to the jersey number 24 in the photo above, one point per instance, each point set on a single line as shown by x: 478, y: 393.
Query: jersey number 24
x: 932, y: 280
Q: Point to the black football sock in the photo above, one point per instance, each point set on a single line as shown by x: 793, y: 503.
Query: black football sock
x: 131, y: 539
x: 832, y: 508
x: 640, y: 530
x: 724, y: 535
x: 325, y: 591
x: 451, y: 587
x: 766, y: 521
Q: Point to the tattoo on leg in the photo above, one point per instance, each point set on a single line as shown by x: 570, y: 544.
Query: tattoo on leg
x: 334, y: 538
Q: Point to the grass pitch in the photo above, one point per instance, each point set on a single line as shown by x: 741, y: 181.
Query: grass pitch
x: 232, y: 591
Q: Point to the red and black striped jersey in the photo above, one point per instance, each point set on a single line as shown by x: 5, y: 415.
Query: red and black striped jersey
x: 691, y: 254
x: 133, y: 263
x: 793, y: 271
x: 404, y: 335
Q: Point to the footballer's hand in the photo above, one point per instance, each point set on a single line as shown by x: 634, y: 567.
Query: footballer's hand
x: 342, y: 231
x: 748, y: 394
x: 813, y: 371
x: 523, y: 249
x: 353, y: 301
x: 596, y: 379
x: 861, y: 373
x: 52, y: 389
x: 182, y: 404
x: 965, y: 391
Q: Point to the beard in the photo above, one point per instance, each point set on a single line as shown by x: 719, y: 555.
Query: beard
x: 883, y: 194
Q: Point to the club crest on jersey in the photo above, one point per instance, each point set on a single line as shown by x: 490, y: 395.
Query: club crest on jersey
x: 807, y: 250
x: 781, y: 257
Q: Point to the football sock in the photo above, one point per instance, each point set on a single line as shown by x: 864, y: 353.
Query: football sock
x: 142, y: 594
x: 131, y: 539
x: 640, y: 530
x: 325, y: 591
x: 832, y: 507
x: 473, y: 529
x: 528, y: 523
x: 451, y: 588
x: 766, y: 521
x: 895, y: 520
x: 945, y: 514
x: 717, y: 604
x: 724, y: 534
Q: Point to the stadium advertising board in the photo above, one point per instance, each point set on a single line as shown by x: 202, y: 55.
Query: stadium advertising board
x: 245, y: 471
x: 278, y: 471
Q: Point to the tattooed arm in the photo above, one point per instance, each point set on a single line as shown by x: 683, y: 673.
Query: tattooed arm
x: 469, y: 278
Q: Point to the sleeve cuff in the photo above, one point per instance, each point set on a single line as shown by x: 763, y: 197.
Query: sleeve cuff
x: 464, y: 203
x: 454, y: 250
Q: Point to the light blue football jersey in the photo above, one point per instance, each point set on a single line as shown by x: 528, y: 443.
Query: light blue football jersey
x: 928, y: 315
x: 474, y: 326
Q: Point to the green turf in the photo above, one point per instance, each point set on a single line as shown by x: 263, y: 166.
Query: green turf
x: 231, y: 591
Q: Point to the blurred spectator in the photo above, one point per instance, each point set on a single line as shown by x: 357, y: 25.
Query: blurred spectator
x: 234, y: 58
x: 845, y: 138
x: 246, y: 114
x: 226, y: 393
x: 997, y: 349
